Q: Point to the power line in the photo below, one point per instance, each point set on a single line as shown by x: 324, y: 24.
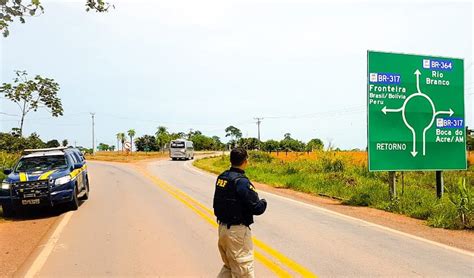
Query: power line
x: 7, y: 114
x: 347, y: 110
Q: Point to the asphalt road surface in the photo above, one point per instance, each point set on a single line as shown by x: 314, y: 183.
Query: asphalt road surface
x: 156, y: 220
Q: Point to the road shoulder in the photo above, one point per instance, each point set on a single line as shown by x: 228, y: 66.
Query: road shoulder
x: 462, y: 239
x: 19, y: 239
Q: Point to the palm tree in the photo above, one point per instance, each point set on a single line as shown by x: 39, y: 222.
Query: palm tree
x: 131, y: 133
x: 118, y: 140
x: 162, y: 137
x: 121, y: 138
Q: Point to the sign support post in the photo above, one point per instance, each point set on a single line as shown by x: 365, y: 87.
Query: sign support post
x: 439, y: 184
x: 392, y: 181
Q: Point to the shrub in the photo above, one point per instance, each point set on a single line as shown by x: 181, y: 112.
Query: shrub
x: 255, y: 156
x: 7, y: 160
x: 463, y: 200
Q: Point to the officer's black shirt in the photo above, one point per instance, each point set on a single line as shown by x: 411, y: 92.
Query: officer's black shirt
x: 235, y: 199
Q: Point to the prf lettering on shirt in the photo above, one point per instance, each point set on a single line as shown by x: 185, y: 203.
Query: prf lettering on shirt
x: 221, y: 182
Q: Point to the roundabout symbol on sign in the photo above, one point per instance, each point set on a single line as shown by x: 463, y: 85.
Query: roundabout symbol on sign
x: 402, y: 109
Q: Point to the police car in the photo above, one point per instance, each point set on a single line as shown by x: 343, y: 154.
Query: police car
x: 45, y: 177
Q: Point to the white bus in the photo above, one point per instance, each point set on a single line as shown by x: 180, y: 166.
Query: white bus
x: 181, y: 149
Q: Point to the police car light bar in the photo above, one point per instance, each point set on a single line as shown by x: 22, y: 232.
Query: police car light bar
x: 44, y: 150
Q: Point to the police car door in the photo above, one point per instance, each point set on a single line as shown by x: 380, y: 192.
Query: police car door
x: 80, y: 176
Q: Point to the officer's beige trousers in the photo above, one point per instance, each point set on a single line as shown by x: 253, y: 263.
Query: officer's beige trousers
x: 236, y: 248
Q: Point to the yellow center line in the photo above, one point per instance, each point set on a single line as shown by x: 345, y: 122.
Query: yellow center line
x: 268, y: 263
x: 285, y: 260
x: 208, y: 215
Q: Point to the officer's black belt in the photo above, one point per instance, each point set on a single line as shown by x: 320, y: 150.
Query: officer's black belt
x: 233, y: 224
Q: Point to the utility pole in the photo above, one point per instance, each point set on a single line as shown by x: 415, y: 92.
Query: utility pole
x: 259, y: 120
x: 93, y: 136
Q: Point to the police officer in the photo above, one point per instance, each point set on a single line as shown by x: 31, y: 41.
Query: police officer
x: 235, y: 204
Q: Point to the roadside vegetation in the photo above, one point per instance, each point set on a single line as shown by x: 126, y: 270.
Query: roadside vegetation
x: 343, y: 175
x: 7, y: 160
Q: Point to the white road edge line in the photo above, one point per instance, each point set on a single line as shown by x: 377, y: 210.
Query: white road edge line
x: 48, y: 247
x: 455, y: 249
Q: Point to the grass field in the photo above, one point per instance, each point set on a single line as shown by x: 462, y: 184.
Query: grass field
x: 344, y: 175
x: 133, y: 157
x: 124, y: 157
x: 359, y: 158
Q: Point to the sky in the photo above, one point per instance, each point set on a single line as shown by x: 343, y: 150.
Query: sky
x: 205, y: 65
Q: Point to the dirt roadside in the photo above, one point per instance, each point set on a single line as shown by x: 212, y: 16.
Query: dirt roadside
x: 19, y: 238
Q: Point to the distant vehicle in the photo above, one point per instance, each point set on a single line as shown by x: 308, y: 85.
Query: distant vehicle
x: 181, y: 149
x: 45, y: 177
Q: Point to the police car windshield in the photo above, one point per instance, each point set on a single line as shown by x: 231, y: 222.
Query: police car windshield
x: 41, y: 163
x: 177, y: 145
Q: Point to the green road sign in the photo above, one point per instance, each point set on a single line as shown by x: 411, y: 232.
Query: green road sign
x: 415, y: 112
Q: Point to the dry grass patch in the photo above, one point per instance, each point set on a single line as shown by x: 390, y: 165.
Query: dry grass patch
x: 124, y: 157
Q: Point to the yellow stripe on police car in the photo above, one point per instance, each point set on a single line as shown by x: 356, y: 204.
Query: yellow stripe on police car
x: 23, y: 177
x: 46, y: 175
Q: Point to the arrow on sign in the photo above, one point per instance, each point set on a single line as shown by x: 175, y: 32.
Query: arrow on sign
x: 385, y: 110
x: 414, y: 152
x: 418, y: 73
x: 450, y: 112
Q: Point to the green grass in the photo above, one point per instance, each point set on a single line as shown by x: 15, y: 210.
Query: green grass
x: 332, y: 175
x: 7, y: 160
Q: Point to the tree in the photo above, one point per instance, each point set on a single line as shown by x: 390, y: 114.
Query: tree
x: 121, y: 138
x: 31, y: 94
x: 218, y: 144
x: 111, y: 148
x: 146, y: 143
x: 192, y: 132
x: 12, y: 143
x: 249, y: 143
x: 131, y: 134
x: 65, y: 143
x: 290, y: 144
x: 270, y: 146
x: 118, y: 136
x: 315, y: 145
x: 162, y: 137
x: 234, y: 134
x: 11, y: 9
x: 34, y: 142
x: 52, y: 144
x: 103, y: 147
x: 203, y: 142
x: 177, y: 135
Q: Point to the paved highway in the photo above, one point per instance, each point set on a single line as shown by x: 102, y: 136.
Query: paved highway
x: 156, y: 219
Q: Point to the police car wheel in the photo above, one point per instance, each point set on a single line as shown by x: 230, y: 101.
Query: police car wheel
x: 7, y: 210
x: 86, y: 193
x: 74, y: 203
